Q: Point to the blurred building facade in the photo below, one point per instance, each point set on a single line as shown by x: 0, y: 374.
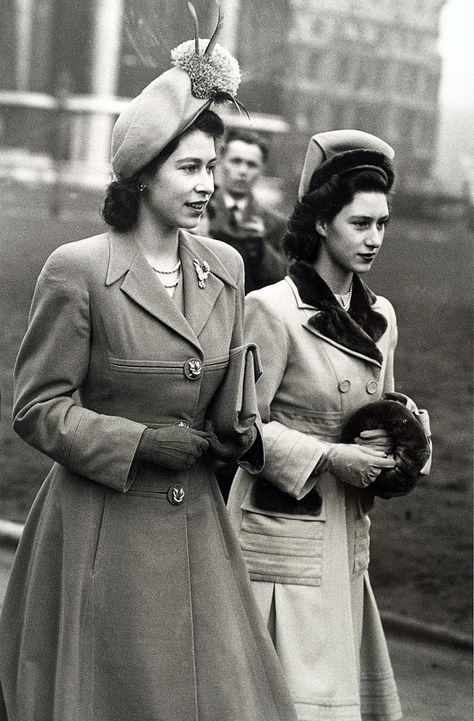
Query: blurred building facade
x: 317, y: 64
x: 372, y: 65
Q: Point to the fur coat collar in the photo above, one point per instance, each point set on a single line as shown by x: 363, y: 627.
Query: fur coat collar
x: 357, y: 329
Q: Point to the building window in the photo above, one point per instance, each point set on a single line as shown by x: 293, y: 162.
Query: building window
x: 338, y: 115
x: 344, y: 66
x: 313, y: 68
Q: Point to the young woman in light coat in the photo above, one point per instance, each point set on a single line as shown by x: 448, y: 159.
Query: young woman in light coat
x: 129, y: 599
x: 327, y: 344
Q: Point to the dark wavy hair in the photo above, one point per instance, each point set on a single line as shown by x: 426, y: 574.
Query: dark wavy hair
x: 301, y: 241
x: 122, y: 199
x: 247, y: 136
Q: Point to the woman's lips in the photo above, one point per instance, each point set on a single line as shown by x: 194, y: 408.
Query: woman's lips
x: 198, y: 206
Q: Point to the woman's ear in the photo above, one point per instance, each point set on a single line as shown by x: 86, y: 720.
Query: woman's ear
x: 321, y: 226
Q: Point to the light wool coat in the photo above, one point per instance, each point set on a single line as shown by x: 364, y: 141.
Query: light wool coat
x: 124, y: 605
x: 309, y: 571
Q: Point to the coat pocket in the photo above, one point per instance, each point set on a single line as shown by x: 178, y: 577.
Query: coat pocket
x: 282, y: 548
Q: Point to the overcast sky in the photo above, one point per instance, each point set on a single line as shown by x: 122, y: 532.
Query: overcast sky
x: 457, y: 50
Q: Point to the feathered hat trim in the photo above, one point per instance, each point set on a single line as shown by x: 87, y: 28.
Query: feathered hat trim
x: 204, y: 73
x: 211, y: 74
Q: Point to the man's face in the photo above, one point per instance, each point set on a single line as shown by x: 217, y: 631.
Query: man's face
x: 241, y: 166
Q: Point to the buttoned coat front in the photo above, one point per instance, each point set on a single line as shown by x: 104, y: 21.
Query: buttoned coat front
x: 128, y: 602
x: 309, y: 571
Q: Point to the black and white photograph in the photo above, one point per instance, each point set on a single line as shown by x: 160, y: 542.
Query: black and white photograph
x: 236, y: 360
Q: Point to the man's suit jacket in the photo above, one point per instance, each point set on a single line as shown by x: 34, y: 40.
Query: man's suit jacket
x: 263, y: 257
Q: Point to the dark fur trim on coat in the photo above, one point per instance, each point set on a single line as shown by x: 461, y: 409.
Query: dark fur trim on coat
x: 267, y: 497
x: 358, y: 329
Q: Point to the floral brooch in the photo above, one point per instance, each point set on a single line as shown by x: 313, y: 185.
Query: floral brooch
x: 202, y: 271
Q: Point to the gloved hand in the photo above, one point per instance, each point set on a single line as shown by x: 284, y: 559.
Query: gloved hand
x: 229, y: 450
x: 356, y: 465
x: 174, y: 447
x: 377, y: 440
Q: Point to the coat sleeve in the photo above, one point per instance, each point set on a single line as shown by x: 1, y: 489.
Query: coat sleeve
x: 52, y: 365
x: 290, y: 456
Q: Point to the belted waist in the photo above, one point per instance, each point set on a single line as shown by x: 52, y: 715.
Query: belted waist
x: 196, y: 423
x: 323, y: 425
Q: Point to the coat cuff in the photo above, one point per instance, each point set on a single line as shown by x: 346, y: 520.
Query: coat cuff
x: 105, y: 457
x: 290, y: 458
x: 253, y: 460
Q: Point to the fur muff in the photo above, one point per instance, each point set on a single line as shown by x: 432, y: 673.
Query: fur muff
x: 358, y: 329
x: 411, y: 446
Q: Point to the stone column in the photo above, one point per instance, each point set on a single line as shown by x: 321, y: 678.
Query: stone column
x: 24, y: 21
x: 107, y: 31
x: 229, y: 33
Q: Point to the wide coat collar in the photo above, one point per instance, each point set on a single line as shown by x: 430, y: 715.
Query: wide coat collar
x: 355, y: 331
x: 138, y: 280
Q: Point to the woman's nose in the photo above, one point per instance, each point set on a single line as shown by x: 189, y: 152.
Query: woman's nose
x: 205, y: 183
x: 374, y: 236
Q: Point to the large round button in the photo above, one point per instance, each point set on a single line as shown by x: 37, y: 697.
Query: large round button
x: 344, y: 385
x: 192, y: 369
x: 371, y: 387
x: 176, y: 495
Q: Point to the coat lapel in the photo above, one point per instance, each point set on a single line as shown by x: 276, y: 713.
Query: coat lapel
x: 143, y: 287
x: 199, y: 302
x: 356, y: 331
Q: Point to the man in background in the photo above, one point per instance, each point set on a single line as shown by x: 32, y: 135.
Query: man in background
x: 237, y: 218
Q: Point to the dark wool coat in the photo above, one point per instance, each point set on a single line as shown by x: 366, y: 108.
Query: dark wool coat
x: 124, y: 605
x: 264, y: 259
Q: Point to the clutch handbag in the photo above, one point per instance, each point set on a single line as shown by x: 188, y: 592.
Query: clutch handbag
x: 233, y: 408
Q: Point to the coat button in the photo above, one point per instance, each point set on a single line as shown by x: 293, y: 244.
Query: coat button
x: 371, y: 387
x: 192, y: 369
x: 176, y: 495
x: 182, y: 424
x: 344, y: 385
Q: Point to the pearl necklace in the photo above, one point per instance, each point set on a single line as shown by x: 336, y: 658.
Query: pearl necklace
x: 345, y: 300
x: 176, y: 269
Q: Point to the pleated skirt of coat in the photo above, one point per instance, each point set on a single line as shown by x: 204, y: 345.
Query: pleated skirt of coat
x: 124, y: 607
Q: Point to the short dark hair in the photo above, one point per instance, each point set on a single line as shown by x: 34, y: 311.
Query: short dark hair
x: 247, y: 136
x: 122, y: 199
x: 301, y: 241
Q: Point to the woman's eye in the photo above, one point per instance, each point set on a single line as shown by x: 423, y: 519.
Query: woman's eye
x: 361, y: 224
x: 188, y: 168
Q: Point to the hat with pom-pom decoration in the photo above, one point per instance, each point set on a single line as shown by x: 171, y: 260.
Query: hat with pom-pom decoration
x: 204, y: 72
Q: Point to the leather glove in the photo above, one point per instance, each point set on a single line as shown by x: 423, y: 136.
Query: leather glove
x: 174, y: 447
x: 357, y: 465
x: 229, y: 450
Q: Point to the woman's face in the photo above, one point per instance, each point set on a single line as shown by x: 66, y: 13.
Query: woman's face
x: 180, y: 189
x: 352, y: 239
